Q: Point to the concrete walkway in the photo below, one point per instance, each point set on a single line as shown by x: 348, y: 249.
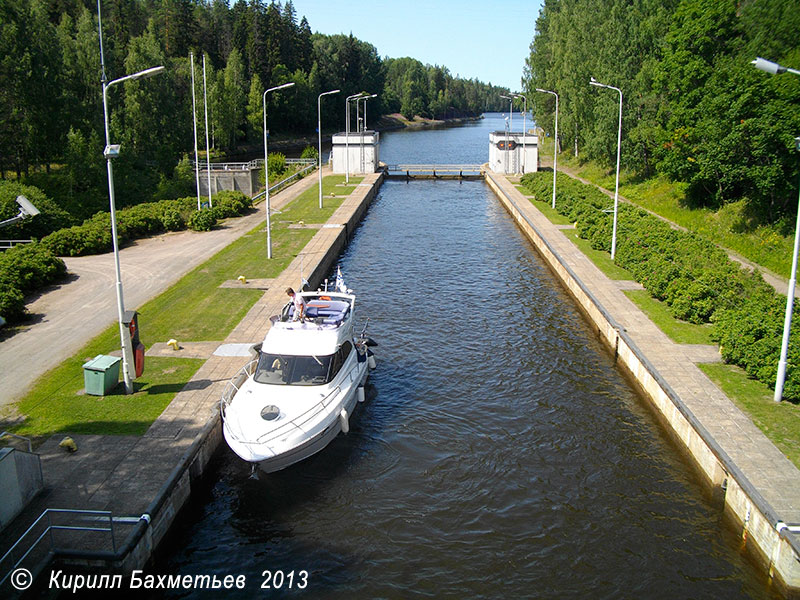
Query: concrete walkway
x: 756, y: 458
x: 70, y: 314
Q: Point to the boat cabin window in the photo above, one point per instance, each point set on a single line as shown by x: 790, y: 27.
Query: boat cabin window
x: 279, y: 369
x: 339, y: 358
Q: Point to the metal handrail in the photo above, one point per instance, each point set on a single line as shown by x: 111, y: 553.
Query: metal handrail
x: 19, y: 437
x: 252, y: 164
x: 48, y: 532
x: 283, y: 182
x: 431, y: 167
x: 296, y: 422
x: 233, y: 385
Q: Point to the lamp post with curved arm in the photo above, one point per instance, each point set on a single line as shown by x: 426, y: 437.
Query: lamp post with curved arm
x: 594, y: 82
x: 112, y: 151
x: 775, y: 69
x: 555, y: 143
x: 524, y: 130
x: 319, y: 132
x: 266, y: 165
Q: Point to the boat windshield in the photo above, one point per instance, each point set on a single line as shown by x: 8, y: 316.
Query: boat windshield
x: 280, y: 369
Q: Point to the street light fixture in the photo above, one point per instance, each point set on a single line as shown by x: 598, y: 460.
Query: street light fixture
x: 510, y: 124
x: 266, y: 165
x: 594, y: 82
x: 775, y: 69
x: 319, y: 132
x: 363, y: 123
x: 524, y: 130
x: 112, y: 151
x: 364, y: 98
x: 555, y: 144
x: 347, y: 131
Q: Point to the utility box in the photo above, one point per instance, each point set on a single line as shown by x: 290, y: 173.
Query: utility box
x: 101, y: 374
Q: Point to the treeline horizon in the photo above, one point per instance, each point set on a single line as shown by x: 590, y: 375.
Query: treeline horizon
x: 51, y: 109
x: 694, y: 109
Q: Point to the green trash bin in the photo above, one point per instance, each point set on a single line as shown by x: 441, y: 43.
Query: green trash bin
x: 101, y: 374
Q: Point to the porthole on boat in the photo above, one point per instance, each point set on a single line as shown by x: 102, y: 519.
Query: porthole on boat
x: 270, y: 412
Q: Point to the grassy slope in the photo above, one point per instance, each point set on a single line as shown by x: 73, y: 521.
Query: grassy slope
x: 780, y: 422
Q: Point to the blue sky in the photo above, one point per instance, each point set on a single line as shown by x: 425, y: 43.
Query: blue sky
x: 485, y: 40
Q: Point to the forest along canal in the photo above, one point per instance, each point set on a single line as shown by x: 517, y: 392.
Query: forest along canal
x: 499, y: 454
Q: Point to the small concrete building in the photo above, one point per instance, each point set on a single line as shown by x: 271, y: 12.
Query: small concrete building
x: 357, y: 152
x: 511, y: 153
x: 241, y: 177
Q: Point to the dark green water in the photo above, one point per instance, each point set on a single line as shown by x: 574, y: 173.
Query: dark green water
x: 499, y: 454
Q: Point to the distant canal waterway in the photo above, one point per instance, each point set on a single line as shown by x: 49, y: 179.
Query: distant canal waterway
x: 499, y: 454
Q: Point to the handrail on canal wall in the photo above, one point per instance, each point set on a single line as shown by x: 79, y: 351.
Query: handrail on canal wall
x: 784, y: 531
x: 435, y: 171
x: 284, y: 182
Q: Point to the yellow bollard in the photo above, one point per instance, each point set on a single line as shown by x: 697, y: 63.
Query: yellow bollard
x: 242, y: 279
x: 174, y: 344
x: 68, y: 444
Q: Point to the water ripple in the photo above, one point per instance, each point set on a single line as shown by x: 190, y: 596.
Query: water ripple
x: 499, y: 453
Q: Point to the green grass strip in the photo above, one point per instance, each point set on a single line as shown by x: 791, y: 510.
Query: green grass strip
x: 678, y: 331
x: 195, y: 308
x: 600, y: 258
x: 777, y: 420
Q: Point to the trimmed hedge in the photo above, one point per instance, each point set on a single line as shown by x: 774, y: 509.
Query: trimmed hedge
x: 143, y: 220
x: 692, y: 276
x: 24, y: 269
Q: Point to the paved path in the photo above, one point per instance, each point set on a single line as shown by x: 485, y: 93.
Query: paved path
x: 73, y: 313
x: 780, y: 284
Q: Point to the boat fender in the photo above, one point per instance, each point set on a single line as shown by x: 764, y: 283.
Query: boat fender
x: 371, y: 360
x: 362, y: 395
x: 344, y: 421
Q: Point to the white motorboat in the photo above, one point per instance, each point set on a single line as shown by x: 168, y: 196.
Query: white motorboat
x: 301, y: 389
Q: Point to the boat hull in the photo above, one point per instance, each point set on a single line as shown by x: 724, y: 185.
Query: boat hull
x: 309, y: 446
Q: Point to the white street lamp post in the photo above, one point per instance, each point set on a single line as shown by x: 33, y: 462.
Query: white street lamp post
x: 112, y: 151
x: 194, y: 121
x: 363, y: 124
x: 510, y: 126
x: 208, y: 148
x: 319, y: 132
x: 347, y: 131
x: 555, y: 144
x: 524, y: 130
x: 616, y: 186
x: 347, y: 136
x: 266, y: 165
x: 775, y: 69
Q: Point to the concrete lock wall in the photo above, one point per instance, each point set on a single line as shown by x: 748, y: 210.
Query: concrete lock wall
x: 362, y: 150
x: 176, y: 492
x: 743, y: 503
x: 511, y: 153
